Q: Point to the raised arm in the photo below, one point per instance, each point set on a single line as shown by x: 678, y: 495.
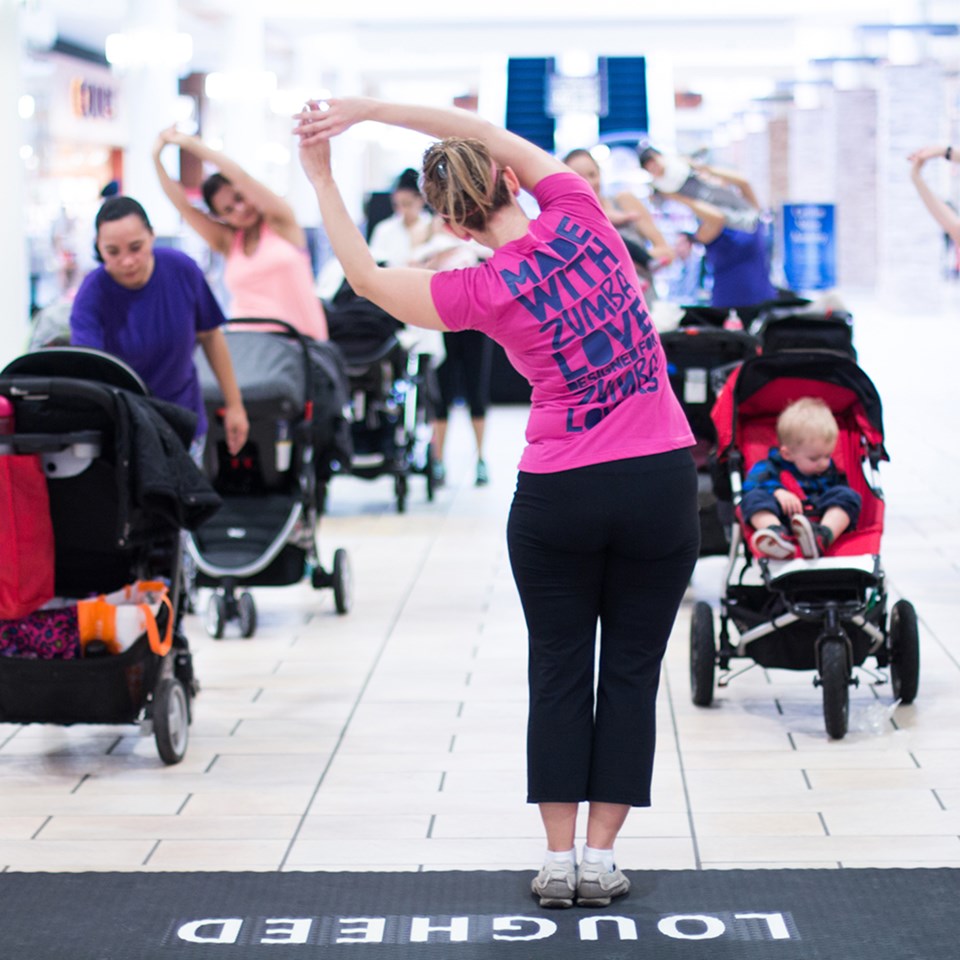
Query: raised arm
x: 644, y: 222
x: 732, y: 178
x: 404, y: 292
x: 933, y: 150
x: 217, y: 234
x: 711, y: 218
x: 528, y: 161
x: 947, y: 218
x: 273, y: 207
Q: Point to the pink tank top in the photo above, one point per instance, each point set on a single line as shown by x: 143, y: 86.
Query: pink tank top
x: 274, y: 282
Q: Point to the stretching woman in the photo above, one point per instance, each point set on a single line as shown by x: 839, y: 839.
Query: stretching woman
x: 267, y: 272
x: 603, y: 526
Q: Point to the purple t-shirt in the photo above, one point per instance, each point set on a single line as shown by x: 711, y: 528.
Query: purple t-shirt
x: 565, y: 304
x: 152, y: 329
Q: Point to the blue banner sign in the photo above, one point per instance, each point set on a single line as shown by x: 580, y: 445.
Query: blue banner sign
x: 809, y: 246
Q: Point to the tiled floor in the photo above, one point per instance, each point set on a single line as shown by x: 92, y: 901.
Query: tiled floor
x: 392, y: 738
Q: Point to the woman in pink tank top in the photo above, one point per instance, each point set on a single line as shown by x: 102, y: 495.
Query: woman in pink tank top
x: 268, y: 272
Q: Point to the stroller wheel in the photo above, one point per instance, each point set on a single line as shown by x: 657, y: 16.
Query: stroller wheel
x: 904, y: 651
x: 247, y: 612
x: 835, y: 680
x: 703, y: 654
x: 342, y: 581
x: 171, y: 720
x: 216, y: 615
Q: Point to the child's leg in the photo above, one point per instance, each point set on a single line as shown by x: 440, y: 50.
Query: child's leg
x: 764, y: 518
x: 836, y: 520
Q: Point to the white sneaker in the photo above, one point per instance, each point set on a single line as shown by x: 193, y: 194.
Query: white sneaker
x: 555, y: 884
x: 597, y: 886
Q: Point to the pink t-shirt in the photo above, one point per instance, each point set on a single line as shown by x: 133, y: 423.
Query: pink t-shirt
x: 274, y: 282
x: 564, y: 303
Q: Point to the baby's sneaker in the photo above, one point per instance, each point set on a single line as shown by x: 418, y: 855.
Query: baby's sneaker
x: 773, y: 542
x: 814, y: 538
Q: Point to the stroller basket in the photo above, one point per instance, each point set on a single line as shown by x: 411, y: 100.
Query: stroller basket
x: 86, y: 416
x: 108, y: 689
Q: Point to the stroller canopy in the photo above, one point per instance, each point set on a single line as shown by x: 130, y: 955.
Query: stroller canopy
x: 765, y: 384
x: 269, y: 367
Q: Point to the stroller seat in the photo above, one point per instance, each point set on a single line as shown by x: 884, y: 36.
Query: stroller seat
x: 757, y: 434
x: 390, y: 385
x: 273, y: 490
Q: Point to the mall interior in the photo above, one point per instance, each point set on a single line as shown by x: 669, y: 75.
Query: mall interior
x: 391, y: 738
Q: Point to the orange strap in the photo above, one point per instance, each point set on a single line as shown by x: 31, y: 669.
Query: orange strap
x: 96, y: 619
x: 160, y: 648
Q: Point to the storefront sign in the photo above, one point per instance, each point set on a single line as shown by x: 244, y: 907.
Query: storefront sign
x: 91, y: 100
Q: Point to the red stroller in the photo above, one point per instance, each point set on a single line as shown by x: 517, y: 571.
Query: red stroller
x: 828, y: 614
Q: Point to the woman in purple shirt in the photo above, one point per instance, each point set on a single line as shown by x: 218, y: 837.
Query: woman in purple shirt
x: 151, y: 307
x: 603, y: 527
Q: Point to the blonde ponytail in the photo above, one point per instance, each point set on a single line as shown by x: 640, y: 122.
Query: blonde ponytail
x: 462, y: 183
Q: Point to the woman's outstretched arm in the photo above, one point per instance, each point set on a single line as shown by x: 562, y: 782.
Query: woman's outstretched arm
x: 947, y: 218
x: 273, y: 207
x: 528, y: 161
x: 404, y: 292
x: 217, y: 234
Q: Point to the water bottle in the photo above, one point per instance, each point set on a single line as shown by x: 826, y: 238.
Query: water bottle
x: 283, y: 448
x: 733, y: 321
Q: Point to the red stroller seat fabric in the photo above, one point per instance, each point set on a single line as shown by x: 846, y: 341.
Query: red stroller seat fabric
x: 26, y: 537
x: 749, y: 424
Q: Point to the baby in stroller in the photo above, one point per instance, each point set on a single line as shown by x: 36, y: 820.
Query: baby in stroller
x: 797, y: 495
x: 823, y: 613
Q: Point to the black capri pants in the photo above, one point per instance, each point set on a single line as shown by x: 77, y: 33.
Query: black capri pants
x: 615, y: 544
x: 465, y: 372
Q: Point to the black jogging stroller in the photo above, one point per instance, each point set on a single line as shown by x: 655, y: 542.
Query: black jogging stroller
x: 392, y: 391
x: 699, y: 359
x: 828, y: 614
x: 274, y: 489
x: 121, y: 486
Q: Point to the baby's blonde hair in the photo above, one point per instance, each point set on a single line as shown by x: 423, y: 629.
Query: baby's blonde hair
x: 805, y: 419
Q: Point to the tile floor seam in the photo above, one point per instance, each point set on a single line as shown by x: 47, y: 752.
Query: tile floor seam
x: 683, y: 777
x: 356, y: 702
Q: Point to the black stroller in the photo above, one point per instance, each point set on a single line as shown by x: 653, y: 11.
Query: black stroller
x: 699, y: 359
x: 273, y: 490
x: 827, y: 614
x: 121, y: 486
x: 390, y: 390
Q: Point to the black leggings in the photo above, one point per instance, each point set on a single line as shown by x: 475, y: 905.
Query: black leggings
x: 615, y: 543
x: 465, y: 372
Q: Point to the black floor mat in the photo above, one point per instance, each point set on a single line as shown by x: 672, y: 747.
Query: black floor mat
x: 894, y: 914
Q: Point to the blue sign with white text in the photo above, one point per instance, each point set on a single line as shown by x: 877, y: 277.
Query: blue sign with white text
x: 809, y: 246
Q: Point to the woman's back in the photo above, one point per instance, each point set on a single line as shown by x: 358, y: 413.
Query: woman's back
x: 275, y: 282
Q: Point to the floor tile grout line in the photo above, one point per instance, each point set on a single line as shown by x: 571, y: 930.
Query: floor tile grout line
x: 698, y: 861
x: 356, y: 703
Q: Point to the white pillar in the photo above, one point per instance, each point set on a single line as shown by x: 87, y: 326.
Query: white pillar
x: 14, y: 269
x: 813, y: 152
x: 150, y: 93
x: 912, y: 113
x: 243, y: 119
x: 857, y: 220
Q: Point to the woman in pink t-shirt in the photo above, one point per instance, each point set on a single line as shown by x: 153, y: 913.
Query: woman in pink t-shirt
x: 268, y: 272
x: 603, y: 527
